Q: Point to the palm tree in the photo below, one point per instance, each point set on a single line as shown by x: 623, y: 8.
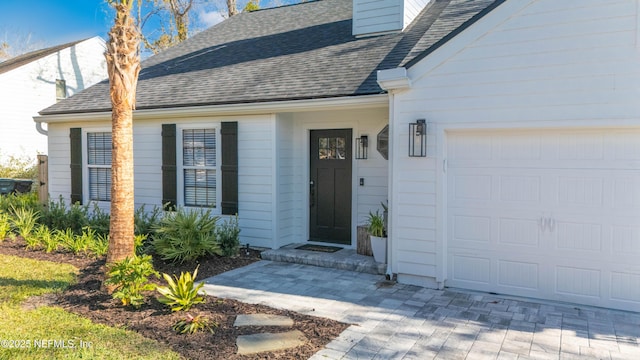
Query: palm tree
x: 123, y: 64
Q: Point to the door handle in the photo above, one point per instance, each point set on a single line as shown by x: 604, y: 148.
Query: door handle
x: 312, y: 193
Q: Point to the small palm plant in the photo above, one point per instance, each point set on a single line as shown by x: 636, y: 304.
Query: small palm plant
x: 181, y: 294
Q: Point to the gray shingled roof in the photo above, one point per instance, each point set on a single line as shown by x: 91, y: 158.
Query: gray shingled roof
x: 302, y: 51
x: 32, y: 56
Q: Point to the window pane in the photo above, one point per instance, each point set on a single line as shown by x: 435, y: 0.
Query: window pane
x: 332, y: 148
x: 200, y: 187
x: 99, y: 148
x: 100, y: 184
x: 199, y: 147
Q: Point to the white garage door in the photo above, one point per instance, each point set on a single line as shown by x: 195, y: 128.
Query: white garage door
x: 546, y: 214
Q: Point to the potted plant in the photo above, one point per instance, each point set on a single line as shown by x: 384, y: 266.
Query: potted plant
x: 378, y: 236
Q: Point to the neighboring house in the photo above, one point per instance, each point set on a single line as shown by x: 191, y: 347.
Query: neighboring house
x: 530, y: 183
x: 33, y: 81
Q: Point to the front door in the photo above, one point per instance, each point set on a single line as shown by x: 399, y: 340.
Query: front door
x: 330, y: 186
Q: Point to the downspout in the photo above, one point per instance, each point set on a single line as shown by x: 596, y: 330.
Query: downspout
x: 393, y: 81
x: 40, y: 129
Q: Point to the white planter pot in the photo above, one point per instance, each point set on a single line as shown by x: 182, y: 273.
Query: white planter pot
x: 379, y: 248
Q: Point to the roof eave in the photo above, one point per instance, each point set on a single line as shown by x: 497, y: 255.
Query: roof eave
x: 337, y: 103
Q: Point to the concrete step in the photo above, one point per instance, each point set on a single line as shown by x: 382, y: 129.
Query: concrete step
x: 257, y: 343
x: 345, y: 259
x: 263, y: 320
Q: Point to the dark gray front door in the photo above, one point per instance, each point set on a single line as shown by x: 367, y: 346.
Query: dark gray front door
x: 330, y: 186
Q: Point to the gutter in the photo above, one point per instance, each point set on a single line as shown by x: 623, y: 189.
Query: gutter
x: 352, y: 102
x: 394, y: 79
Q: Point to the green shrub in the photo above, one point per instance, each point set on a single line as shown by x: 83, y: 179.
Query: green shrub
x: 64, y: 238
x: 24, y: 220
x: 19, y: 201
x: 49, y: 240
x: 58, y: 216
x: 36, y: 240
x: 186, y: 235
x: 228, y: 236
x: 181, y: 294
x: 141, y: 245
x: 5, y: 226
x: 130, y: 277
x: 98, y: 220
x: 145, y: 222
x: 191, y: 324
x: 100, y: 245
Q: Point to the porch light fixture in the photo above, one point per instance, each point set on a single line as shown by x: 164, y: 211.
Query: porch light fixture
x: 418, y: 138
x: 362, y: 147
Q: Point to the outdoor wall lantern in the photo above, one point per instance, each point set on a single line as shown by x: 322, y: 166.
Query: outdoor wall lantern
x: 418, y: 138
x: 362, y: 146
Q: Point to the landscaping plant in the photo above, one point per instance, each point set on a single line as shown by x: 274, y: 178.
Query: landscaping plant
x: 24, y: 220
x: 5, y: 226
x: 130, y: 277
x: 186, y: 235
x: 181, y: 294
x: 228, y: 236
x: 193, y: 324
x: 375, y: 224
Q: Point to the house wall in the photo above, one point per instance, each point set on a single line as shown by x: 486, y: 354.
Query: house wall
x: 32, y: 87
x: 255, y: 169
x: 527, y: 64
x: 296, y: 152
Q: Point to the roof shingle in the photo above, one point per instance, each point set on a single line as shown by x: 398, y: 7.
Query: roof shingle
x: 302, y: 51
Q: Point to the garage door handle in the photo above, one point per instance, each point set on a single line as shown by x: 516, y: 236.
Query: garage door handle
x: 552, y: 224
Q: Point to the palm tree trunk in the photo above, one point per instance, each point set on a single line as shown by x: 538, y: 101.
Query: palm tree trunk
x: 123, y: 64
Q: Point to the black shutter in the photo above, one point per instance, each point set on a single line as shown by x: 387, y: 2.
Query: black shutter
x: 169, y: 181
x: 229, y: 167
x: 75, y: 134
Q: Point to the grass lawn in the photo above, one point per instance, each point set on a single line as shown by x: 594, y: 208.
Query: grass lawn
x: 52, y: 333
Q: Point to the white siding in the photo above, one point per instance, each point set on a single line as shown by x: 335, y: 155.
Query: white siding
x: 376, y: 16
x: 373, y: 16
x: 543, y: 63
x: 256, y: 174
x: 288, y: 217
x: 373, y: 170
x: 32, y: 87
x: 255, y: 170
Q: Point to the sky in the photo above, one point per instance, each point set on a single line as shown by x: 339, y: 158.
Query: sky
x: 54, y: 22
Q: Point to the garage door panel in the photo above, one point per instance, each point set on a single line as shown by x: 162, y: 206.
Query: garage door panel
x: 625, y: 287
x: 547, y: 214
x: 471, y: 269
x: 518, y: 275
x: 625, y: 240
x: 472, y: 228
x: 578, y: 281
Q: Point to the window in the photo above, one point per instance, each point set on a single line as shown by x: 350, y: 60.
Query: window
x: 61, y: 90
x: 331, y: 148
x: 99, y: 165
x: 199, y: 167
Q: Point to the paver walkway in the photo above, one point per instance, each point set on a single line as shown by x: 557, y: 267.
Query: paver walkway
x: 408, y: 322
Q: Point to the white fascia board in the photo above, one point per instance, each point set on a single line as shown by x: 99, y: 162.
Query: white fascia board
x: 352, y: 102
x: 394, y: 79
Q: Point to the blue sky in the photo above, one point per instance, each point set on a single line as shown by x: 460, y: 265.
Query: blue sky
x: 53, y: 22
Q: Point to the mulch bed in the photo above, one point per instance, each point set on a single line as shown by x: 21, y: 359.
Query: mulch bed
x: 154, y: 320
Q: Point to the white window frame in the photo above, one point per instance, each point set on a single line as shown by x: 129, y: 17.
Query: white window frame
x: 180, y: 164
x: 85, y: 163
